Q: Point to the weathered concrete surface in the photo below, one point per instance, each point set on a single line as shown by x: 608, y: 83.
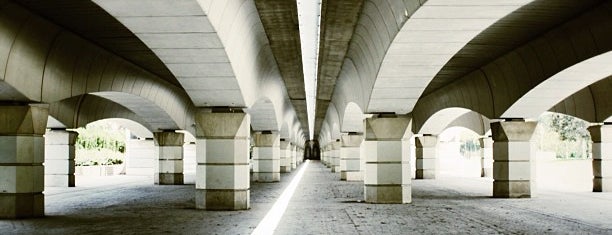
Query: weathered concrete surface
x: 446, y: 205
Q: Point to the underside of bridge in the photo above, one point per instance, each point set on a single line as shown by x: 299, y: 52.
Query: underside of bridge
x: 225, y: 81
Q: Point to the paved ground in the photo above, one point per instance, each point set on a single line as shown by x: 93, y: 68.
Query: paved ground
x: 322, y: 205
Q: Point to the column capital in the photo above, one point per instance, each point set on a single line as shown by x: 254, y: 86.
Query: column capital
x: 386, y: 127
x: 29, y: 119
x: 266, y: 139
x: 601, y: 133
x: 513, y: 130
x: 218, y: 125
x: 426, y: 140
x: 168, y: 138
x: 352, y: 139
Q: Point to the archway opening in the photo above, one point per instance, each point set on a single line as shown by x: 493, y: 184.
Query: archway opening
x: 459, y: 153
x: 563, y: 153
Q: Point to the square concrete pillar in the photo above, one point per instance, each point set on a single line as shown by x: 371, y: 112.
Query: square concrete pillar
x: 387, y: 171
x: 266, y: 157
x: 169, y: 152
x: 426, y: 159
x: 327, y: 153
x: 294, y: 156
x: 222, y: 154
x: 486, y: 156
x: 350, y: 160
x: 285, y: 156
x: 59, y: 157
x: 513, y: 167
x: 602, y: 157
x: 22, y: 153
x: 335, y: 155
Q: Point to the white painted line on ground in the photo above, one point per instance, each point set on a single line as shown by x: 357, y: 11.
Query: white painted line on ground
x: 269, y: 223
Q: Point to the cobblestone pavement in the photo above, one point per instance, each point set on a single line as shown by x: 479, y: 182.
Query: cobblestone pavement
x: 322, y: 204
x: 325, y: 205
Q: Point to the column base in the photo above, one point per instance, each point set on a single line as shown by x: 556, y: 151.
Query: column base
x: 222, y: 200
x: 351, y: 175
x: 266, y: 177
x: 169, y: 178
x: 21, y: 205
x: 285, y: 169
x: 602, y: 184
x: 335, y: 169
x: 425, y: 174
x: 388, y: 194
x: 512, y: 189
x: 59, y: 180
x: 486, y: 172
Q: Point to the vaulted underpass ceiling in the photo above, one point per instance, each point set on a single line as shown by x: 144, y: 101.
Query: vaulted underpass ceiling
x: 338, y: 20
x: 88, y: 20
x: 508, y: 33
x: 280, y: 20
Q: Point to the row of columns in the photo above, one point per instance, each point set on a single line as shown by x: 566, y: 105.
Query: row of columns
x: 222, y: 146
x: 223, y: 166
x: 509, y: 152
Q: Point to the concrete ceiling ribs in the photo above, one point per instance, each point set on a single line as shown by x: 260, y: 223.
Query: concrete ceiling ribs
x: 428, y: 39
x: 338, y: 20
x: 280, y: 20
x: 182, y: 35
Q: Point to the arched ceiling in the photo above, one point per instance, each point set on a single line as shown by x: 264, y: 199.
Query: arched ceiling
x: 515, y: 29
x: 201, y: 46
x: 89, y: 21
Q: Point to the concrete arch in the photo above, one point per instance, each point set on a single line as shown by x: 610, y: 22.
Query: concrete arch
x: 494, y: 87
x: 561, y: 85
x: 79, y: 111
x: 135, y: 128
x: 333, y: 122
x: 398, y: 47
x: 219, y: 51
x: 411, y: 46
x: 352, y: 119
x: 470, y: 132
x: 325, y: 134
x: 453, y: 117
x: 592, y: 104
x: 46, y: 63
x: 265, y: 116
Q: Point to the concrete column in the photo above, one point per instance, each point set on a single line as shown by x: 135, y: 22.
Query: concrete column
x: 285, y: 156
x: 335, y: 155
x: 327, y: 156
x: 59, y: 157
x: 350, y: 160
x: 426, y: 159
x: 362, y: 160
x: 300, y: 158
x: 387, y: 172
x: 169, y: 152
x: 513, y: 168
x: 266, y: 157
x: 486, y: 156
x: 602, y: 157
x: 222, y: 153
x: 22, y: 153
x: 294, y: 156
x: 323, y: 160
